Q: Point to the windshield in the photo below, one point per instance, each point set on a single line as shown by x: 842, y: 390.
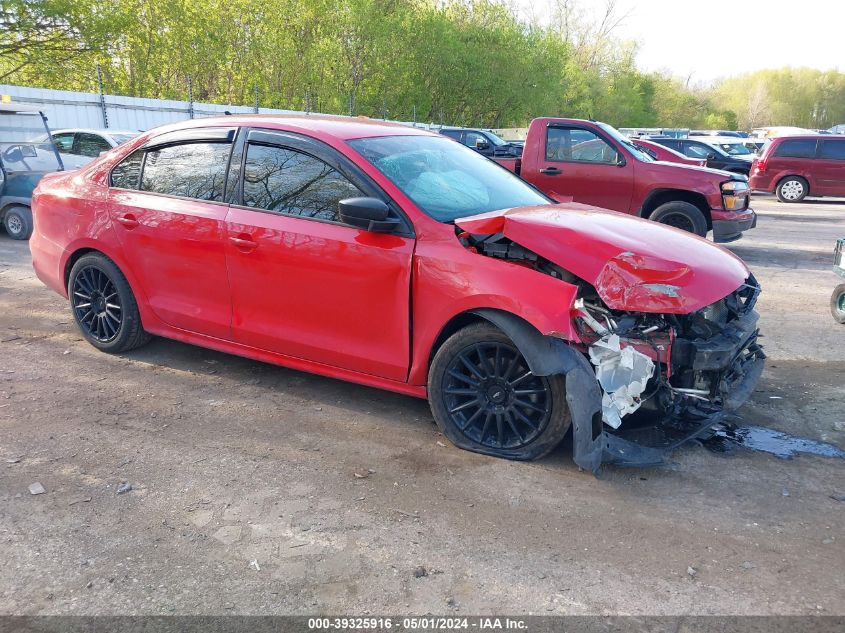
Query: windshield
x: 637, y: 152
x: 17, y: 127
x: 446, y: 180
x: 735, y: 149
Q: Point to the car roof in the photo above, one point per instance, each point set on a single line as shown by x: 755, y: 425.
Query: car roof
x: 338, y: 127
x: 724, y: 140
x: 18, y: 108
x: 92, y: 130
x: 803, y: 137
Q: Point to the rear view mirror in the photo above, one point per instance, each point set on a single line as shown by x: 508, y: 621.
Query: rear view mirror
x: 370, y: 214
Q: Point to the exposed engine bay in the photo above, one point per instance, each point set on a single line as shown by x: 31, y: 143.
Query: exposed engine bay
x: 676, y: 371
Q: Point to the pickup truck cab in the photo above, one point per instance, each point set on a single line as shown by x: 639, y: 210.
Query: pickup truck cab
x: 592, y: 163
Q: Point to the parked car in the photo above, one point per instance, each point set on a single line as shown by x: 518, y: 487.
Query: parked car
x: 592, y: 163
x: 730, y: 133
x: 659, y: 152
x: 794, y: 167
x: 485, y: 142
x: 23, y: 161
x: 89, y: 142
x: 397, y: 258
x: 716, y: 157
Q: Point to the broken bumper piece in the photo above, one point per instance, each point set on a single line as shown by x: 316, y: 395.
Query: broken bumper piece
x: 733, y: 358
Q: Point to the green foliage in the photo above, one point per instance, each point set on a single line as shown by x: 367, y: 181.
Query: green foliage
x: 466, y: 62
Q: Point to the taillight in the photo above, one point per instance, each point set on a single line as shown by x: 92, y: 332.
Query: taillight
x: 759, y: 165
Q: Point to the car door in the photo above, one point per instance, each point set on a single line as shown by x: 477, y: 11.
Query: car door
x: 580, y: 163
x: 830, y: 167
x: 303, y: 283
x: 166, y: 205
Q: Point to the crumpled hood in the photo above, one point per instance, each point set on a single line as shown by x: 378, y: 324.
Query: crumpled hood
x: 634, y: 264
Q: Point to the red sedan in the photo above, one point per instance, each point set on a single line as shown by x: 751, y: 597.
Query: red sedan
x: 396, y: 258
x: 660, y: 152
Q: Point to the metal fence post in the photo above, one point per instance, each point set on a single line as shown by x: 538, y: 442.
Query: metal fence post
x: 102, y: 97
x: 415, y: 115
x: 190, y: 98
x: 256, y: 98
x: 307, y: 102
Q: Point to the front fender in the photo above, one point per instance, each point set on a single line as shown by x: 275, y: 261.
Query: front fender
x: 547, y: 356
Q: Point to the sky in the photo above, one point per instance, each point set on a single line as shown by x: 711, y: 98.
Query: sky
x: 709, y: 39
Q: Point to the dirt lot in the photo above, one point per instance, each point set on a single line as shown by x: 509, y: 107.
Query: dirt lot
x: 256, y: 489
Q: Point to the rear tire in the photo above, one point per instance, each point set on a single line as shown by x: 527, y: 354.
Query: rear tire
x: 681, y: 215
x: 485, y: 399
x: 103, y: 305
x: 837, y: 304
x: 792, y: 189
x: 18, y: 222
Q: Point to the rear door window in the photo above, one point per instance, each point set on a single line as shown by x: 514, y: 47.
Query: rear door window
x: 287, y: 181
x: 191, y: 170
x: 832, y: 149
x: 796, y: 148
x: 90, y: 145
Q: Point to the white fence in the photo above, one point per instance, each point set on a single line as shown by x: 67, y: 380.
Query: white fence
x: 67, y: 109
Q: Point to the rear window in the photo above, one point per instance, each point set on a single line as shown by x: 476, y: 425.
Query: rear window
x: 195, y: 170
x: 796, y: 148
x: 833, y: 150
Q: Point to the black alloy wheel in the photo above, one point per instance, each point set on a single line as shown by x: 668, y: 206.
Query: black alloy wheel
x: 494, y: 399
x: 485, y: 398
x: 96, y: 304
x: 104, y: 306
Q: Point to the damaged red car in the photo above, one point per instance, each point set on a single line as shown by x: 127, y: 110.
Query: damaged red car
x: 396, y: 258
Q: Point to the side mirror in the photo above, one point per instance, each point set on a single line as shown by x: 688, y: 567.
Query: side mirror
x: 481, y: 146
x: 711, y: 156
x: 620, y: 160
x: 370, y: 214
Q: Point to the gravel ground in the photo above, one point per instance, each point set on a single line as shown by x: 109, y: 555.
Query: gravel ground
x: 256, y: 489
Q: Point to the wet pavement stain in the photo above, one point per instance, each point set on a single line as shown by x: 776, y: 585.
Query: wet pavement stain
x: 759, y: 438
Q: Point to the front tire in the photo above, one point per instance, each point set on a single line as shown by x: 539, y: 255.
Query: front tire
x: 682, y: 215
x: 18, y: 222
x: 485, y: 399
x: 837, y: 304
x: 792, y: 189
x: 103, y: 305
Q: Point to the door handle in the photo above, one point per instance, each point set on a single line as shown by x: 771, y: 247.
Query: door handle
x: 244, y: 243
x: 128, y: 220
x: 550, y: 171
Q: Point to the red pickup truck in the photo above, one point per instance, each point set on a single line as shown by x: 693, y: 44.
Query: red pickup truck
x: 593, y: 163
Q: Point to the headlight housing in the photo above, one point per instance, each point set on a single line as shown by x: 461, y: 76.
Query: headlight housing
x: 735, y: 195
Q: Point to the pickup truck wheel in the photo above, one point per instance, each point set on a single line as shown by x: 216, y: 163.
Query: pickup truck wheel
x: 18, y: 222
x: 837, y: 304
x: 681, y: 215
x: 103, y: 305
x: 792, y: 189
x: 485, y: 399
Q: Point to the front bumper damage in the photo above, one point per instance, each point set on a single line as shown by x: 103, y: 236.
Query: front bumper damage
x: 695, y: 382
